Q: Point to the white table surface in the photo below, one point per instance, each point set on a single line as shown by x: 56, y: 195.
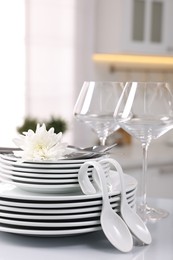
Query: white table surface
x: 92, y: 245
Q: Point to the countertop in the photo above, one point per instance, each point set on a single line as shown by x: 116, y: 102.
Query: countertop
x: 92, y: 245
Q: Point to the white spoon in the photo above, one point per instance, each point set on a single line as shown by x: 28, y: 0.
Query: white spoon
x: 132, y: 219
x: 112, y: 224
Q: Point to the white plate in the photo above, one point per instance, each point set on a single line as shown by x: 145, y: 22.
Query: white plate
x: 44, y: 188
x: 54, y: 211
x: 47, y: 217
x: 13, y: 192
x: 115, y: 205
x: 48, y: 233
x: 40, y: 175
x: 38, y: 170
x: 66, y: 204
x: 52, y: 228
x: 46, y: 169
x: 56, y: 224
x: 64, y: 162
x: 40, y: 165
x: 56, y: 188
x: 39, y: 181
x: 43, y: 172
x: 42, y: 178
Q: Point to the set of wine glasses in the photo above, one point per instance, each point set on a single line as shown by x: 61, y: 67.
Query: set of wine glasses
x: 142, y: 109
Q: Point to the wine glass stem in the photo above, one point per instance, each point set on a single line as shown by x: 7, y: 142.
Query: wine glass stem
x: 102, y: 140
x: 144, y: 176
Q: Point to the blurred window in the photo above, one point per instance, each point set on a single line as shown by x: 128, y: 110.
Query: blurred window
x: 12, y: 67
x: 156, y: 21
x: 138, y: 20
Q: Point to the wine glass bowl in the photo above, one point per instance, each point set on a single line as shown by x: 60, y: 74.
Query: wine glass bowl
x: 95, y: 107
x: 145, y: 111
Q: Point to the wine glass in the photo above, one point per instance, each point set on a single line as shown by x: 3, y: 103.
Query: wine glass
x: 145, y: 111
x: 95, y: 107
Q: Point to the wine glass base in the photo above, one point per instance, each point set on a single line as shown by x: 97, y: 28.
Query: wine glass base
x: 150, y: 214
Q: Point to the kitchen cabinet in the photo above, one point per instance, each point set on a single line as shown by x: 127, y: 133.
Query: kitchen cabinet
x: 134, y: 26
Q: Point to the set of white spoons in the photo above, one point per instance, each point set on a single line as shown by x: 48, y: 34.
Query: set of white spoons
x: 118, y: 230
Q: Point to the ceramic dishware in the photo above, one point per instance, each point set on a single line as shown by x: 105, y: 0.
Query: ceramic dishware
x: 112, y: 224
x: 132, y: 219
x: 22, y: 212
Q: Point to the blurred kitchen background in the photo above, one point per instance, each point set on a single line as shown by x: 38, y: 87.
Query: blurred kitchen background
x: 48, y: 48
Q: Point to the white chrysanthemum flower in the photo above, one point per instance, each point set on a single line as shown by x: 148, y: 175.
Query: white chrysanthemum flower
x: 40, y: 145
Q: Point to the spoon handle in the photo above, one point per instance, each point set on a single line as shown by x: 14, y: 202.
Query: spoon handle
x: 85, y: 182
x: 103, y: 183
x: 120, y: 173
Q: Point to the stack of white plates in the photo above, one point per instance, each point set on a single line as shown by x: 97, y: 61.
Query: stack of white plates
x: 30, y: 213
x: 45, y: 176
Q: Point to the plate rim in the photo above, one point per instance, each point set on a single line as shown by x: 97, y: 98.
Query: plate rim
x: 23, y: 194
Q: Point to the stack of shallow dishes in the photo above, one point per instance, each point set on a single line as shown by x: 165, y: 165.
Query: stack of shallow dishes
x: 44, y: 198
x: 40, y: 214
x: 45, y: 176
